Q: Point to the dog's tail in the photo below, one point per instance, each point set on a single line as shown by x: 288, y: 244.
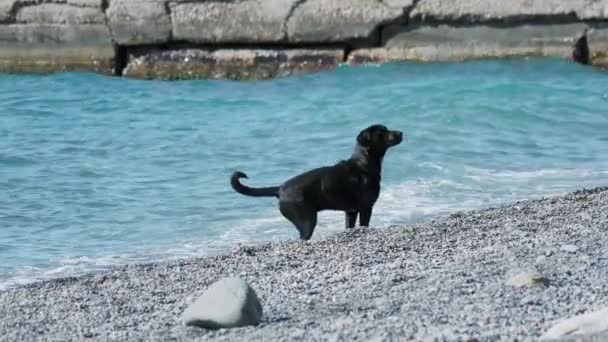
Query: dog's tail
x: 254, y: 192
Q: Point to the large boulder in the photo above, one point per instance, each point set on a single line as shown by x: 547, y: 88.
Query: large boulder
x: 139, y: 22
x: 249, y: 21
x: 457, y: 43
x: 473, y: 11
x: 227, y: 303
x: 60, y: 14
x: 237, y: 64
x: 338, y: 21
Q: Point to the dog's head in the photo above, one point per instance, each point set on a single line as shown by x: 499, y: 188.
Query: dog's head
x: 379, y: 138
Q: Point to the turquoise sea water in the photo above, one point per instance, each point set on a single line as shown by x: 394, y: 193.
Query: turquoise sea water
x: 97, y: 171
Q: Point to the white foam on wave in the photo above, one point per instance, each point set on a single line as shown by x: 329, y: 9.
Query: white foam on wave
x: 407, y: 202
x: 59, y: 268
x: 542, y: 182
x: 420, y: 199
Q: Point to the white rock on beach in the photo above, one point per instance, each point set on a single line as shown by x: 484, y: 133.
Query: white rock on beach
x: 227, y: 303
x: 569, y: 248
x: 527, y: 279
x: 587, y: 324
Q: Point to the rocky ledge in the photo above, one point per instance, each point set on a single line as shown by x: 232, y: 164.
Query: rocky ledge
x: 177, y: 39
x: 516, y: 272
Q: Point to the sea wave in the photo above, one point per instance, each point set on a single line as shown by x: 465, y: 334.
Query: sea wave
x: 401, y: 203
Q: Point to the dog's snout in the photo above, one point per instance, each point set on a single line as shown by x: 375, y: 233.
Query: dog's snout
x: 396, y: 137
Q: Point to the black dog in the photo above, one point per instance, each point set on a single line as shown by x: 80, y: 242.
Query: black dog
x: 351, y: 185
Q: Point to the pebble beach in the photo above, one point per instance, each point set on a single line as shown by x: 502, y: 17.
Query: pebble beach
x: 445, y: 279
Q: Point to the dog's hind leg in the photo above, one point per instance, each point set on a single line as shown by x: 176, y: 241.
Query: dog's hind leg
x: 304, y: 218
x: 365, y: 216
x: 350, y: 219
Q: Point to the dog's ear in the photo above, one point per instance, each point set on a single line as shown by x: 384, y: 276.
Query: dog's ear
x: 364, y: 138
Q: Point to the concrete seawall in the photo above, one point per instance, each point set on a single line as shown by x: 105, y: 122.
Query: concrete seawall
x: 258, y: 39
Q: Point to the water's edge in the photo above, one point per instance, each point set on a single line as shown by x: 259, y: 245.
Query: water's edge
x: 251, y: 247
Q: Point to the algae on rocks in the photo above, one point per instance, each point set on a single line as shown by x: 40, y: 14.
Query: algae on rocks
x: 234, y: 64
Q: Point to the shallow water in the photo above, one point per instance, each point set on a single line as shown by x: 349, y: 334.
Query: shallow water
x: 97, y: 171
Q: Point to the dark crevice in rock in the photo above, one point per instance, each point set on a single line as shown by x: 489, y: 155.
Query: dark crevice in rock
x: 128, y: 52
x: 121, y: 59
x: 168, y: 10
x: 380, y: 30
x: 595, y: 21
x: 347, y: 50
x: 119, y: 51
x: 104, y: 8
x: 244, y: 46
x: 408, y: 10
x: 402, y: 20
x: 580, y: 51
x: 509, y: 22
x: 374, y: 39
x: 292, y: 10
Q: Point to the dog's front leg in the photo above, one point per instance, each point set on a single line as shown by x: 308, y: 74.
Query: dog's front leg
x: 350, y: 219
x: 365, y: 216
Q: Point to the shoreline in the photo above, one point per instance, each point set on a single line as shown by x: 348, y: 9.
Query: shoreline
x: 439, y: 279
x: 262, y: 39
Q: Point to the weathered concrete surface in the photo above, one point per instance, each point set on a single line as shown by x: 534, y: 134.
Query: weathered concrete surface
x: 401, y: 4
x: 55, y: 47
x: 594, y: 9
x: 60, y: 14
x: 472, y: 11
x: 598, y: 45
x: 136, y: 22
x: 52, y: 11
x: 55, y: 35
x: 249, y: 21
x: 321, y: 21
x: 448, y: 43
x: 86, y: 3
x: 235, y: 64
x: 48, y: 36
